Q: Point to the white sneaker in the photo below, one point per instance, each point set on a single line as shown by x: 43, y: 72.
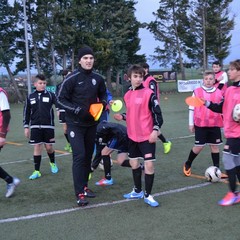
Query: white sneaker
x: 11, y: 187
x: 134, y: 195
x: 150, y: 201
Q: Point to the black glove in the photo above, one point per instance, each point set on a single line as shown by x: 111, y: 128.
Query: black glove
x: 104, y: 103
x: 83, y: 114
x: 87, y: 116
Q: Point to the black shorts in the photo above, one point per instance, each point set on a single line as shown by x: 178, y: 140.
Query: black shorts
x: 42, y: 135
x: 120, y: 147
x: 61, y: 117
x: 233, y: 146
x: 207, y: 135
x: 144, y: 150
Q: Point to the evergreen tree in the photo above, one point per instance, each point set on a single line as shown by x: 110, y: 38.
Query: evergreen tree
x: 58, y: 28
x: 170, y: 28
x: 10, y: 39
x: 195, y: 30
x: 219, y: 25
x: 211, y: 25
x: 116, y: 34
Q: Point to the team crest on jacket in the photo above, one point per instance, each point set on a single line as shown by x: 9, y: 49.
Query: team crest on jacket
x: 72, y: 134
x: 94, y: 81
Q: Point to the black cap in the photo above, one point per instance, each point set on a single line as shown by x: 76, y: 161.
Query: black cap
x: 84, y: 51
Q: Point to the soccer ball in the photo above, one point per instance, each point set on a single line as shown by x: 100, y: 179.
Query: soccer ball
x: 213, y: 174
x: 236, y: 113
x: 101, y: 167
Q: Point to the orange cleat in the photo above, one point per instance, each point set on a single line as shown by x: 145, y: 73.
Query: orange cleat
x: 186, y: 170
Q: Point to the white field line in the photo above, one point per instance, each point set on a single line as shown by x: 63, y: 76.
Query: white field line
x: 27, y: 160
x: 182, y: 137
x: 46, y: 214
x: 65, y: 154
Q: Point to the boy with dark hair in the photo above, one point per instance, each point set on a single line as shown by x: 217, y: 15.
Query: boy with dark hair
x: 144, y: 120
x: 110, y: 137
x: 38, y: 122
x: 12, y: 182
x: 231, y: 151
x: 205, y: 124
x: 150, y: 82
x: 221, y: 77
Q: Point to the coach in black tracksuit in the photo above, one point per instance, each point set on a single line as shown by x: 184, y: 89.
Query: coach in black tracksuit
x: 79, y: 90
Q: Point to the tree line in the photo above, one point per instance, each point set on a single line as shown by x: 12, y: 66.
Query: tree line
x: 192, y: 32
x: 189, y: 33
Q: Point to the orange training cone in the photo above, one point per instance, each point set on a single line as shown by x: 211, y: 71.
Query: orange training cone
x: 96, y: 110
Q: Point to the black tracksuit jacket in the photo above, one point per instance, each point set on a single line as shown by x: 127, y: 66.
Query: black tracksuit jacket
x: 108, y: 130
x: 80, y: 89
x: 38, y: 110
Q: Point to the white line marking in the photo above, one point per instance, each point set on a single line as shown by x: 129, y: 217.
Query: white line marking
x: 45, y: 214
x: 66, y: 154
x: 27, y: 160
x: 182, y: 137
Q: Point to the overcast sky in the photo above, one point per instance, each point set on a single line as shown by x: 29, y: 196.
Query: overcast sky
x: 144, y: 9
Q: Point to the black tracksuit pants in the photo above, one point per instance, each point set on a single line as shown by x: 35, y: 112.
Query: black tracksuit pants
x: 82, y: 140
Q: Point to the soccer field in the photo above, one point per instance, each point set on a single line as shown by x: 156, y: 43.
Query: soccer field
x: 46, y: 208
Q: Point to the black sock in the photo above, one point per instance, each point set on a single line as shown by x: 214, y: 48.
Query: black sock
x: 137, y: 178
x: 162, y: 138
x: 98, y: 156
x: 149, y: 178
x: 191, y: 157
x: 66, y: 136
x: 52, y: 157
x: 107, y: 166
x: 5, y: 176
x: 126, y: 163
x: 232, y: 179
x: 37, y: 162
x: 215, y: 159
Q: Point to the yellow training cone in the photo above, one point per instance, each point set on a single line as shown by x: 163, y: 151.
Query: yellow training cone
x: 117, y: 105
